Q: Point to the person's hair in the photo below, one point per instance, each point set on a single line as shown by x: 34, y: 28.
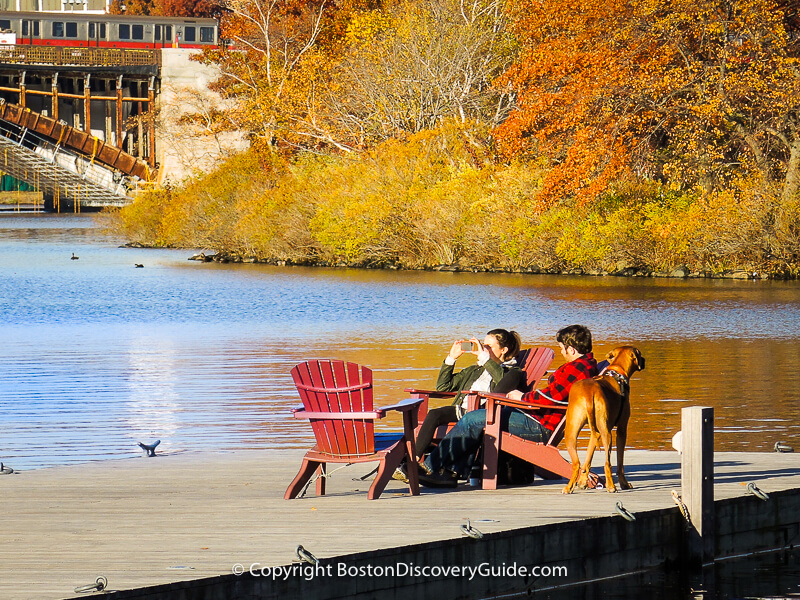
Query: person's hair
x: 507, y: 339
x: 576, y: 336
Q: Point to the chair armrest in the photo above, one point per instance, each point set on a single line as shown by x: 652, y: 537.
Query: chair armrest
x: 299, y: 407
x: 338, y: 416
x: 402, y: 406
x: 410, y: 409
x: 494, y: 401
x: 431, y: 393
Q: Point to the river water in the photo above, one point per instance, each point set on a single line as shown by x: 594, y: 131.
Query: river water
x: 99, y: 355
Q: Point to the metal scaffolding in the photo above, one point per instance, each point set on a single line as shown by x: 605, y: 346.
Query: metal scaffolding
x: 66, y: 177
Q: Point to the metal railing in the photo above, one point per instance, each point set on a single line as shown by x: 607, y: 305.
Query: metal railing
x: 83, y: 57
x: 59, y: 173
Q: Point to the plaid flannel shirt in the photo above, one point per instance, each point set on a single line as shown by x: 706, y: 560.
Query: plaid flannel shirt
x: 557, y: 391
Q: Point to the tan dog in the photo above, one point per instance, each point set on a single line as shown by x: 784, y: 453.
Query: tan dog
x: 603, y: 402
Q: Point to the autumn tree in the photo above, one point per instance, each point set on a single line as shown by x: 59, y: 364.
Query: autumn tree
x: 327, y: 75
x: 277, y: 61
x: 188, y: 8
x: 691, y: 91
x: 416, y: 64
x: 167, y: 8
x: 131, y: 7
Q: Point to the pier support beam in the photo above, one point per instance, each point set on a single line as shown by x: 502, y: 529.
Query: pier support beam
x: 151, y: 120
x: 22, y: 89
x: 697, y: 480
x: 118, y: 141
x: 54, y: 90
x: 87, y: 102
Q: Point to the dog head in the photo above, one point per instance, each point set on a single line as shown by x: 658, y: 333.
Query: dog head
x: 627, y: 358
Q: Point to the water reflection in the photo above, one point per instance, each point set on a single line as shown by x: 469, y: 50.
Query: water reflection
x: 151, y: 401
x: 98, y: 354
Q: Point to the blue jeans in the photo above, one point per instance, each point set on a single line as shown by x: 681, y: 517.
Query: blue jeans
x: 457, y: 451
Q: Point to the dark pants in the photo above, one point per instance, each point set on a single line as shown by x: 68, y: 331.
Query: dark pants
x: 435, y: 417
x: 457, y: 451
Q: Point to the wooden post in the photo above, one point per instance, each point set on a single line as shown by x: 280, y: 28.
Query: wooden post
x: 140, y: 151
x: 697, y: 480
x: 118, y: 143
x: 87, y: 103
x: 22, y: 89
x: 109, y: 133
x: 54, y: 87
x: 151, y: 129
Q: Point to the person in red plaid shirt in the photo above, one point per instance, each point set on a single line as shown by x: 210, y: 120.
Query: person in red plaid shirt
x: 453, y: 458
x: 575, y: 343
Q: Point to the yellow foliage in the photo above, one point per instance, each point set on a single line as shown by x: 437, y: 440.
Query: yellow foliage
x: 437, y: 198
x: 365, y: 26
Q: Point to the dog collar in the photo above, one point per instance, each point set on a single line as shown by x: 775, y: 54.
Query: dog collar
x: 624, y: 384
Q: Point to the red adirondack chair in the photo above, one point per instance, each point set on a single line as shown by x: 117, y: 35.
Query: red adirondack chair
x: 544, y: 456
x: 337, y: 400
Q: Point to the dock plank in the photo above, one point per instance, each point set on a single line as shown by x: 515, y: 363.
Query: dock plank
x: 149, y: 521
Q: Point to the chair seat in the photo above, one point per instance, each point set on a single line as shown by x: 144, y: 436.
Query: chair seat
x: 384, y: 442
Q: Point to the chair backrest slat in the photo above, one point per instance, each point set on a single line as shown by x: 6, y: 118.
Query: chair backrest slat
x: 364, y: 429
x: 535, y: 362
x: 342, y: 402
x: 334, y: 429
x: 311, y: 374
x: 335, y: 386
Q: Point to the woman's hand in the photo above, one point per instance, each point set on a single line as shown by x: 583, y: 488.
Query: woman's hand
x: 455, y: 350
x: 477, y: 346
x: 481, y: 351
x: 514, y: 395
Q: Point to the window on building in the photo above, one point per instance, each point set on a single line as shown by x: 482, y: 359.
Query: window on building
x: 58, y: 29
x: 138, y: 32
x: 189, y: 34
x: 124, y: 32
x: 72, y: 30
x: 207, y: 35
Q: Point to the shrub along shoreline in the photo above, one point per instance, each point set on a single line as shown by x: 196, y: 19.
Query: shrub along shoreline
x: 681, y: 272
x: 441, y: 201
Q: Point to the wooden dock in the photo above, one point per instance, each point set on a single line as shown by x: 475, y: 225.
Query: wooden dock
x: 150, y: 521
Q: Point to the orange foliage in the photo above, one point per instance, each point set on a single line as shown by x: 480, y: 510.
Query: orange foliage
x: 688, y: 91
x: 571, y: 80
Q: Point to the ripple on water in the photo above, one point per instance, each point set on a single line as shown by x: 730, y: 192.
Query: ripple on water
x: 99, y: 355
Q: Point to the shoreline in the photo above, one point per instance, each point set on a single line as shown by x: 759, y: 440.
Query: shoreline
x: 677, y: 273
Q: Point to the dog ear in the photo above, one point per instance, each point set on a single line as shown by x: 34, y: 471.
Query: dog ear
x: 639, y: 360
x: 612, y: 355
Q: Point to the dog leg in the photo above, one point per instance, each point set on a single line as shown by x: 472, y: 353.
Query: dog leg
x: 594, y: 440
x: 571, y: 432
x: 605, y: 438
x: 622, y: 438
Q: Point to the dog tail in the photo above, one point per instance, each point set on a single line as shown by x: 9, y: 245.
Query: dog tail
x: 590, y: 416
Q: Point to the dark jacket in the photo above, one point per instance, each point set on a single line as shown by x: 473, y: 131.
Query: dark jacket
x: 504, y: 378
